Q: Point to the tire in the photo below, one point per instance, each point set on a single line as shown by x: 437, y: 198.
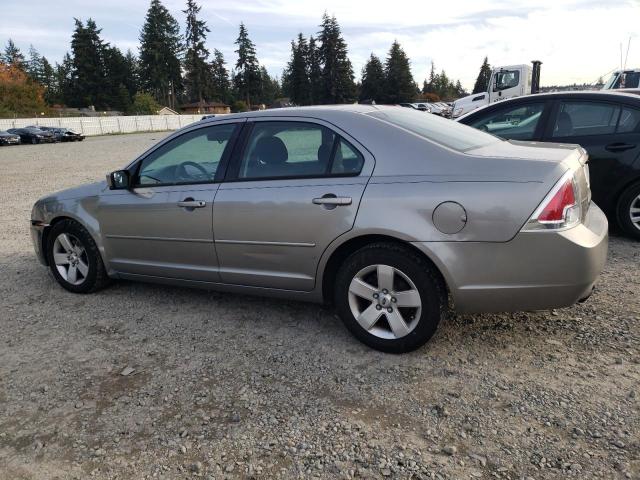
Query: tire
x: 630, y: 199
x: 412, y: 326
x: 66, y: 238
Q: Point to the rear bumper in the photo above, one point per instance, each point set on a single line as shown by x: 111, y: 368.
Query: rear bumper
x: 534, y: 271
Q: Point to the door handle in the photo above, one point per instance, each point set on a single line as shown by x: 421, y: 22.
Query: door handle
x: 191, y: 203
x: 332, y: 200
x: 619, y: 147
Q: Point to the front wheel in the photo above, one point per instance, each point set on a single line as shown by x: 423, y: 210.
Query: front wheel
x: 74, y: 258
x: 629, y: 211
x: 390, y: 297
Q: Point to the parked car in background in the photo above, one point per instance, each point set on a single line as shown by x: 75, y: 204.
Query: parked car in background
x: 7, y: 138
x: 389, y: 213
x: 408, y: 105
x: 606, y: 124
x: 33, y: 135
x: 63, y: 134
x: 423, y: 107
x: 441, y: 109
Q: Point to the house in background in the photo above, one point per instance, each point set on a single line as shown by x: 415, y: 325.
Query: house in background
x: 167, y: 111
x: 205, y: 108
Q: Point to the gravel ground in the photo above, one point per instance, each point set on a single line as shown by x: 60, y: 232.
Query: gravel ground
x: 144, y: 381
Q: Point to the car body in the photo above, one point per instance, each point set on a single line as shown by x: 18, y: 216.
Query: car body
x: 321, y: 203
x: 33, y: 135
x: 605, y: 123
x: 7, y: 138
x: 63, y: 134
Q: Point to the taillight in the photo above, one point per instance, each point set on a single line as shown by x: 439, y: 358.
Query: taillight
x: 560, y: 209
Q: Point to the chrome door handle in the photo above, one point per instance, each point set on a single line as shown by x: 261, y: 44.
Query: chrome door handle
x: 326, y: 200
x: 192, y: 203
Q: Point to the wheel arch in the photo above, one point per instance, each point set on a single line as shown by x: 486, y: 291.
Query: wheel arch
x: 344, y: 250
x: 60, y: 218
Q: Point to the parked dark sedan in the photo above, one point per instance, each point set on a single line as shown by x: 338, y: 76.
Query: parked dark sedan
x: 606, y: 124
x: 33, y: 135
x: 63, y: 134
x: 7, y: 138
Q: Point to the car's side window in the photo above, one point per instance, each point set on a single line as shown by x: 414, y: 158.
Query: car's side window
x: 629, y: 121
x: 347, y: 159
x: 283, y: 149
x: 193, y: 157
x: 518, y: 123
x: 585, y: 118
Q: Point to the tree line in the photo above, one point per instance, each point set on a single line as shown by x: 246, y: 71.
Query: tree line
x: 173, y: 66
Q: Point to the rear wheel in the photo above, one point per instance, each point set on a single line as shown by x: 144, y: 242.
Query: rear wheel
x: 629, y: 211
x: 74, y: 258
x: 389, y: 297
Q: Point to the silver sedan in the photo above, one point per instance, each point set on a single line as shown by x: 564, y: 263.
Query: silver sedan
x: 393, y: 216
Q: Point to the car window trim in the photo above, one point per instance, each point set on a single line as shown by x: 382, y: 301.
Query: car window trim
x: 233, y: 172
x: 224, y: 160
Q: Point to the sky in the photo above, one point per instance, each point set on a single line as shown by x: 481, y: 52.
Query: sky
x: 577, y: 40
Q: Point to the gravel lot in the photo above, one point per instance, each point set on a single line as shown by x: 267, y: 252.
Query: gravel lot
x: 228, y: 386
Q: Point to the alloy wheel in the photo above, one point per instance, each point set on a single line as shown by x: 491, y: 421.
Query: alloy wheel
x: 385, y: 301
x: 634, y: 212
x: 70, y: 258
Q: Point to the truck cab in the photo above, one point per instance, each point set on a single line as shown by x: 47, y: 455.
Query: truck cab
x: 621, y: 79
x: 506, y: 82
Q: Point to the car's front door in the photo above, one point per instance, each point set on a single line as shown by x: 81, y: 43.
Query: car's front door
x: 610, y: 132
x: 293, y: 188
x: 162, y: 226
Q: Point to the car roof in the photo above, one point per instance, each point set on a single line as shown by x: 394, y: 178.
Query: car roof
x: 611, y: 95
x: 323, y: 112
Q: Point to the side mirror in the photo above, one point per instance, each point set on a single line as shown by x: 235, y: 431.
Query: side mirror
x: 119, y: 180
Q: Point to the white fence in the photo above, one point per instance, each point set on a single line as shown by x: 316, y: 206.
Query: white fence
x: 104, y: 125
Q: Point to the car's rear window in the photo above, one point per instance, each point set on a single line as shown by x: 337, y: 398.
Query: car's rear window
x: 436, y: 129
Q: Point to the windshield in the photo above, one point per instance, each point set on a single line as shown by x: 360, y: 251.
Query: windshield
x: 612, y: 81
x: 436, y: 129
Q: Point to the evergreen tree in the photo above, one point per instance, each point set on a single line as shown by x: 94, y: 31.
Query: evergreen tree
x: 484, y: 77
x: 118, y: 75
x: 12, y: 55
x: 33, y: 66
x: 48, y: 81
x: 160, y: 50
x: 296, y: 76
x: 399, y: 84
x: 197, y: 80
x: 428, y: 86
x: 132, y: 82
x: 269, y: 88
x: 337, y: 73
x: 373, y: 80
x: 314, y: 65
x: 63, y: 81
x: 221, y: 86
x: 247, y: 79
x: 88, y: 65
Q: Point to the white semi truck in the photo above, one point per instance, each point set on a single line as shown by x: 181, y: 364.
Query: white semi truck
x: 517, y: 80
x: 506, y: 82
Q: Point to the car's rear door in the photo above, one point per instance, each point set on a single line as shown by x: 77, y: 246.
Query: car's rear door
x: 293, y: 187
x: 609, y: 131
